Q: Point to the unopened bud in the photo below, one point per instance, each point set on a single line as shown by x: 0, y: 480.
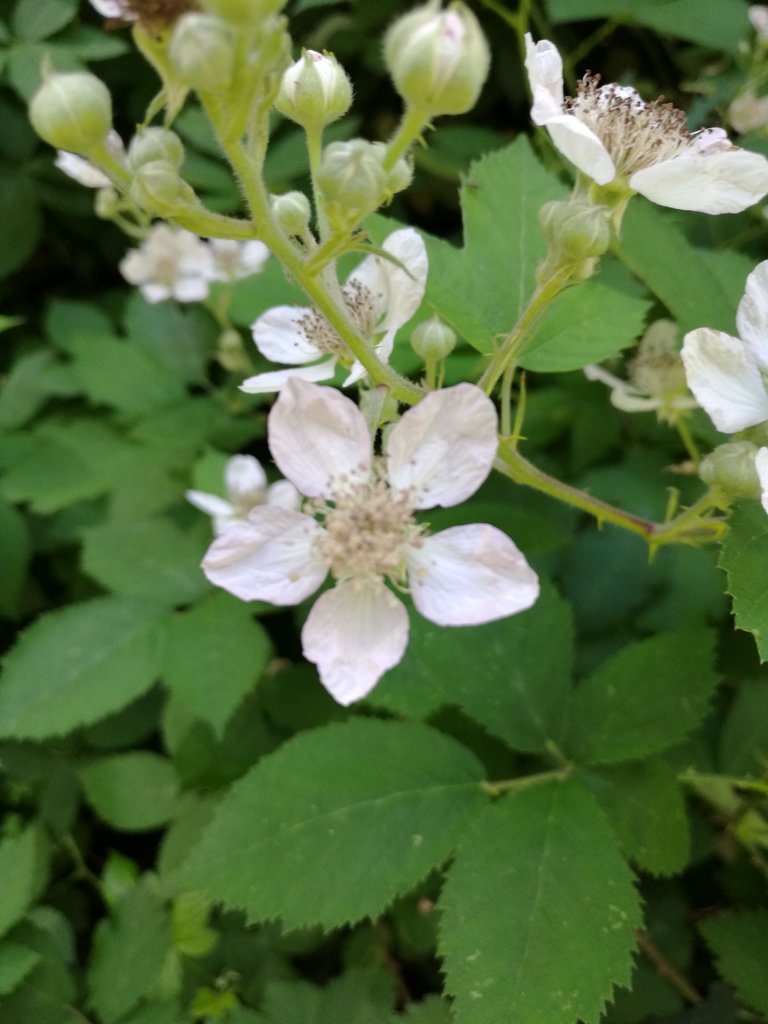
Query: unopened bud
x: 400, y: 176
x: 242, y: 12
x: 107, y: 203
x: 731, y: 467
x: 438, y: 60
x: 315, y: 90
x: 292, y: 211
x: 156, y: 187
x: 230, y: 352
x: 433, y: 339
x: 575, y: 231
x: 153, y: 144
x: 72, y: 111
x: 352, y: 175
x: 202, y: 51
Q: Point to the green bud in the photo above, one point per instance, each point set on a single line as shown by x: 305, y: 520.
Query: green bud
x: 156, y: 187
x: 292, y: 211
x: 315, y: 90
x: 731, y: 466
x: 401, y: 175
x: 202, y: 51
x: 352, y: 177
x: 433, y: 339
x: 575, y: 230
x: 153, y: 144
x: 107, y: 203
x: 72, y: 111
x: 438, y: 60
x: 242, y: 12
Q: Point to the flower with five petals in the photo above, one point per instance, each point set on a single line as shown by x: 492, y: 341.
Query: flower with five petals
x: 246, y: 487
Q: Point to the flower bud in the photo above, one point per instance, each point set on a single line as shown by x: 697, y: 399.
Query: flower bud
x: 731, y: 466
x: 575, y: 230
x: 400, y: 176
x: 153, y: 144
x: 315, y: 90
x: 352, y: 176
x: 438, y: 60
x: 202, y: 52
x: 230, y: 352
x: 156, y: 186
x: 433, y: 339
x: 72, y: 111
x: 242, y: 12
x: 292, y: 211
x: 107, y: 203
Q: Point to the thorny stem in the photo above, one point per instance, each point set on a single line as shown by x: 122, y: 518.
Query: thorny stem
x: 665, y: 969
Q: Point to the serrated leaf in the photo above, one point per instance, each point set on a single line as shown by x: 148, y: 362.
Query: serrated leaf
x: 744, y: 739
x: 181, y: 340
x: 432, y: 1010
x: 38, y: 19
x: 644, y: 699
x: 74, y: 666
x: 16, y: 961
x: 538, y: 911
x: 645, y: 806
x: 359, y: 996
x: 744, y: 557
x: 32, y: 378
x: 134, y: 792
x: 49, y: 986
x: 153, y: 559
x: 521, y: 694
x: 24, y: 871
x: 303, y: 835
x: 128, y: 952
x: 740, y: 943
x: 216, y: 652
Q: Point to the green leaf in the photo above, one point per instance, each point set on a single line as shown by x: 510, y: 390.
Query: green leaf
x: 521, y: 694
x: 216, y: 653
x: 740, y: 943
x: 432, y: 1010
x: 644, y: 699
x: 16, y: 961
x: 128, y: 952
x: 32, y: 379
x: 329, y: 804
x: 24, y: 871
x: 67, y: 323
x: 538, y: 911
x: 38, y: 19
x: 744, y: 739
x: 500, y: 200
x: 15, y: 552
x: 20, y: 217
x: 74, y: 666
x: 134, y: 792
x: 359, y: 996
x: 154, y: 559
x: 645, y: 806
x: 181, y: 340
x: 49, y: 986
x: 744, y: 557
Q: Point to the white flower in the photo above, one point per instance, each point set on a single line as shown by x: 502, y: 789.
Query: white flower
x: 233, y: 260
x: 656, y: 376
x: 608, y: 132
x: 246, y: 487
x: 360, y: 525
x: 114, y: 9
x: 748, y: 112
x: 758, y: 15
x: 82, y: 170
x: 726, y: 374
x: 170, y: 263
x: 380, y: 298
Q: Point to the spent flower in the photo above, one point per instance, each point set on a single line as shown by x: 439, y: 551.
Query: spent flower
x: 611, y: 135
x: 360, y: 525
x: 246, y: 488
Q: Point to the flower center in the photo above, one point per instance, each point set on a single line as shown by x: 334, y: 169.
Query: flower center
x: 361, y: 305
x: 636, y: 134
x: 368, y: 525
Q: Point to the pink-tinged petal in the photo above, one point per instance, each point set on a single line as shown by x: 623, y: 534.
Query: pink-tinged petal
x: 467, y: 575
x: 579, y: 144
x: 545, y: 74
x: 725, y: 379
x: 284, y: 495
x: 211, y: 504
x: 752, y: 315
x: 280, y: 335
x: 706, y: 179
x: 761, y: 465
x: 245, y: 478
x: 267, y: 383
x: 270, y: 557
x: 397, y: 292
x: 316, y: 435
x: 353, y: 634
x: 443, y: 448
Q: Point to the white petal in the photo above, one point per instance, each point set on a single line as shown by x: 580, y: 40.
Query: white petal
x: 317, y: 435
x: 398, y: 294
x: 113, y: 9
x: 268, y: 558
x: 470, y: 574
x: 154, y: 292
x: 444, y: 447
x: 281, y: 337
x: 190, y: 289
x: 80, y: 170
x: 705, y: 179
x: 545, y: 74
x: 594, y: 372
x: 284, y: 495
x: 245, y: 479
x: 761, y: 465
x: 579, y: 144
x: 353, y: 634
x: 724, y: 378
x: 752, y: 315
x: 211, y: 504
x: 266, y: 383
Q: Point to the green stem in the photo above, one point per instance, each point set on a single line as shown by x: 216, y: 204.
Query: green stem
x: 524, y: 781
x: 413, y: 122
x: 690, y: 527
x: 315, y: 153
x: 687, y: 438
